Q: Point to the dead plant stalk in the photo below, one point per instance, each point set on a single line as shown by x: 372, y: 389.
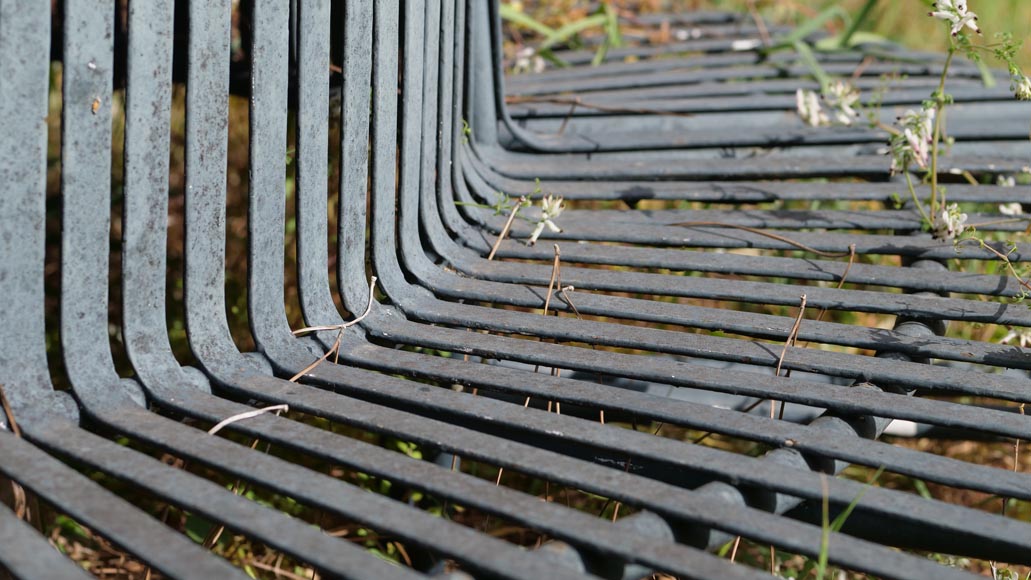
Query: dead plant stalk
x: 508, y: 226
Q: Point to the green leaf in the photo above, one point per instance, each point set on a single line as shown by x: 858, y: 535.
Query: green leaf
x: 864, y: 12
x: 519, y: 18
x: 805, y: 54
x: 810, y: 26
x: 834, y: 42
x: 838, y: 523
x: 572, y: 29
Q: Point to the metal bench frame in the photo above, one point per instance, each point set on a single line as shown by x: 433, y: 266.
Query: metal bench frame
x: 429, y: 257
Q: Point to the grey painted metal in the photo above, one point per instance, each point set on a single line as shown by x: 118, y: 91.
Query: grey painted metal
x: 26, y: 554
x: 392, y: 335
x: 412, y: 72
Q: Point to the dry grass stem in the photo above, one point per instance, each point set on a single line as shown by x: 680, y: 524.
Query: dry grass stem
x: 844, y: 276
x: 791, y: 340
x: 238, y: 487
x: 247, y: 415
x: 615, y: 510
x: 565, y: 291
x: 578, y: 102
x: 1016, y: 462
x: 276, y: 570
x: 334, y: 350
x: 555, y: 270
x: 733, y: 549
x: 764, y: 233
x: 508, y: 226
x: 569, y: 115
x: 792, y: 337
x: 760, y: 25
x: 9, y: 413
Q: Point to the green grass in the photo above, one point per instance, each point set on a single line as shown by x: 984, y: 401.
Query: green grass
x: 903, y: 21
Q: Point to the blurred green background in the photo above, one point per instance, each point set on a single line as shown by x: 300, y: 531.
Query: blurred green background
x: 904, y: 21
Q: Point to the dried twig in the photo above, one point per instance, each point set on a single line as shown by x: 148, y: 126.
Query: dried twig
x: 764, y: 34
x: 733, y: 550
x: 819, y: 316
x: 279, y: 572
x: 9, y: 413
x: 579, y: 102
x: 569, y: 115
x: 770, y: 235
x: 238, y: 487
x: 792, y: 338
x: 564, y: 291
x: 555, y: 270
x: 1016, y: 462
x: 335, y: 348
x: 508, y: 225
x: 277, y: 409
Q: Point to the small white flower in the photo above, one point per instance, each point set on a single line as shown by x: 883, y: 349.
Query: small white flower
x: 809, y: 109
x: 1021, y: 87
x: 527, y: 60
x: 1011, y: 209
x: 1023, y: 336
x: 843, y: 97
x: 682, y: 34
x: 745, y: 45
x: 913, y: 143
x: 1006, y: 181
x: 955, y: 12
x: 949, y: 224
x: 551, y: 208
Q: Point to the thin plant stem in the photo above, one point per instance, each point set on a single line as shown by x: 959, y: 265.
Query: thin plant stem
x: 508, y: 226
x: 864, y: 12
x: 760, y: 25
x: 733, y: 550
x: 334, y: 350
x: 239, y: 486
x: 578, y: 102
x: 555, y: 269
x: 823, y: 311
x: 1006, y: 260
x: 1016, y: 462
x: 792, y: 338
x: 939, y: 113
x: 760, y: 232
x: 916, y: 200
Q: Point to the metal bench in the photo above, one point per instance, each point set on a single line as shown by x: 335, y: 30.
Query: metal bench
x: 450, y: 351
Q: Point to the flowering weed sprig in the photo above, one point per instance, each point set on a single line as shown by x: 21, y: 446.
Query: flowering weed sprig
x: 956, y: 13
x: 841, y: 98
x: 807, y: 104
x: 916, y: 137
x: 912, y: 144
x: 920, y: 134
x: 1022, y: 336
x: 551, y: 208
x: 949, y: 224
